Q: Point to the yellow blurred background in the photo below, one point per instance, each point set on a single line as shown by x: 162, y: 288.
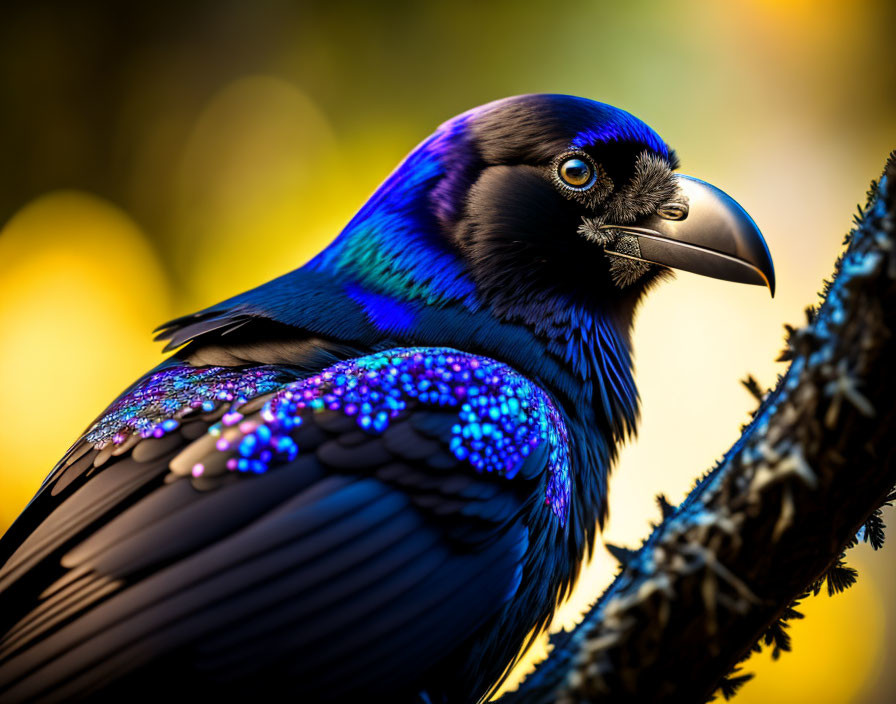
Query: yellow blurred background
x: 159, y: 158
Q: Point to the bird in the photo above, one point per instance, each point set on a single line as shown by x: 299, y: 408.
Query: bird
x: 377, y: 475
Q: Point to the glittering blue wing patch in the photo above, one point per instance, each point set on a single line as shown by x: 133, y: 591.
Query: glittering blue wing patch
x: 501, y: 416
x: 156, y: 405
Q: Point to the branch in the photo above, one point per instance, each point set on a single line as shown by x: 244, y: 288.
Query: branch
x: 771, y: 520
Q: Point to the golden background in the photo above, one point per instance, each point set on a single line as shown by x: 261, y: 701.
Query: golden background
x: 158, y: 159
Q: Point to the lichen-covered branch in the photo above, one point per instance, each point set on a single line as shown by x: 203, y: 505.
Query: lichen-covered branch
x: 771, y: 519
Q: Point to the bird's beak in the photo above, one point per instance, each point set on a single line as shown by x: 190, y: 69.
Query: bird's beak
x: 704, y: 231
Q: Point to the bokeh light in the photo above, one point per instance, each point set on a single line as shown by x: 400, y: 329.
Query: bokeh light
x: 79, y: 288
x: 158, y: 159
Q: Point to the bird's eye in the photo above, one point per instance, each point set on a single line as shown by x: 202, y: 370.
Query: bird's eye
x: 576, y: 172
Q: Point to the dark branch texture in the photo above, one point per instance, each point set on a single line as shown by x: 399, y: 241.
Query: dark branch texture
x: 770, y: 523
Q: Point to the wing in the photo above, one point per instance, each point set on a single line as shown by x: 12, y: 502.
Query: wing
x: 330, y: 536
x: 302, y: 300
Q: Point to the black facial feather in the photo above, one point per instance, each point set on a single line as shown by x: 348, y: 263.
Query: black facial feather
x: 519, y: 237
x: 650, y: 185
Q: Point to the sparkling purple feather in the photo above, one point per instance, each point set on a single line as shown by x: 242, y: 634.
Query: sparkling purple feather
x: 155, y: 405
x: 501, y: 416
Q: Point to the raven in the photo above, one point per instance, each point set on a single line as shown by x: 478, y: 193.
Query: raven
x: 376, y: 475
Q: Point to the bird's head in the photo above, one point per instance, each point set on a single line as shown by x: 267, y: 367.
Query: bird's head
x: 554, y: 192
x: 527, y: 199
